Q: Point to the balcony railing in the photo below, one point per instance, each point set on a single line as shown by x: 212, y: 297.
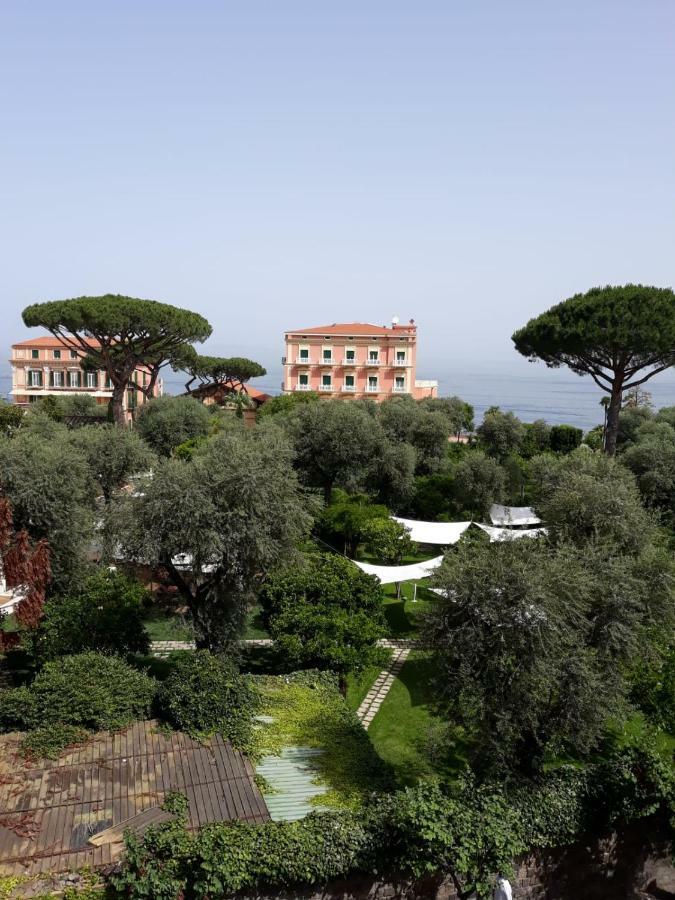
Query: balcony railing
x: 373, y: 389
x: 303, y: 359
x: 325, y: 387
x: 373, y: 362
x: 302, y: 387
x: 399, y: 389
x: 349, y: 387
x: 401, y: 362
x: 349, y: 362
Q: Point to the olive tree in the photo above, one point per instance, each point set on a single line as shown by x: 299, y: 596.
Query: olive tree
x: 119, y: 334
x: 620, y: 336
x: 113, y: 454
x: 217, y: 524
x: 167, y: 422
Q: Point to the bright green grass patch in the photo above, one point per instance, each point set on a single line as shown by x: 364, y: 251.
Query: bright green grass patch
x: 309, y: 711
x: 407, y: 735
x: 255, y: 628
x: 404, y: 615
x: 358, y: 685
x: 165, y: 626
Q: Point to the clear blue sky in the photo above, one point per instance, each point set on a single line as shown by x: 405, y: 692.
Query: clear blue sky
x: 280, y: 164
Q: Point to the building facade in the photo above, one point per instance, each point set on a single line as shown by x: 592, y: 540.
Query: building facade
x: 46, y: 367
x: 355, y: 360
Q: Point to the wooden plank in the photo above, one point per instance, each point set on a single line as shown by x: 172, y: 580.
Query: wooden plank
x: 139, y: 824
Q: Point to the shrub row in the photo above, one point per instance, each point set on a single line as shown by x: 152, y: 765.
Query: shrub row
x: 202, y: 695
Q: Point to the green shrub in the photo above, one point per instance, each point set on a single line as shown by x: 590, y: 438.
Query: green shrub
x: 16, y: 709
x: 167, y: 422
x: 327, y: 614
x: 565, y: 438
x: 89, y: 690
x: 104, y: 615
x: 205, y: 694
x: 50, y: 741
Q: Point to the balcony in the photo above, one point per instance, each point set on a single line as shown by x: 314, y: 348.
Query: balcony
x: 302, y: 387
x: 373, y: 362
x: 372, y: 389
x: 325, y: 387
x: 283, y: 360
x: 350, y: 388
x: 399, y: 390
x: 349, y: 362
x: 401, y: 363
x: 304, y: 360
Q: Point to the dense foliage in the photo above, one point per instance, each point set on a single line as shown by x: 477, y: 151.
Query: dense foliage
x: 89, y: 690
x: 105, y: 614
x: 166, y: 422
x: 204, y: 694
x: 217, y: 524
x: 325, y: 614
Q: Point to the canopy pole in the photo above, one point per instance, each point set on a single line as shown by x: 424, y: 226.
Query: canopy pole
x: 414, y: 592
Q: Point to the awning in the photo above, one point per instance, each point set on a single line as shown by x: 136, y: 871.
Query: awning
x: 393, y: 574
x: 513, y: 515
x: 443, y: 533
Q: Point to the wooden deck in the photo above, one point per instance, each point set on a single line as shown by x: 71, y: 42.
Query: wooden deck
x: 49, y: 812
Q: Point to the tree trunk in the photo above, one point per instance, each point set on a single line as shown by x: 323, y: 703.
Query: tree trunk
x: 117, y: 404
x: 613, y: 410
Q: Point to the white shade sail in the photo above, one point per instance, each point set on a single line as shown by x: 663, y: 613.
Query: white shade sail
x: 394, y: 574
x: 513, y: 515
x: 443, y: 533
x: 510, y: 534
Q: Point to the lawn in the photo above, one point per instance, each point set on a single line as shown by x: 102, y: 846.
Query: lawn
x: 404, y: 615
x: 405, y: 732
x: 164, y: 625
x: 358, y: 685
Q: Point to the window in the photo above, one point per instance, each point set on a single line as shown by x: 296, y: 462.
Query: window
x: 56, y: 379
x: 326, y: 382
x: 34, y: 378
x: 372, y: 383
x: 303, y: 380
x: 349, y: 382
x: 35, y: 354
x: 400, y: 356
x: 131, y: 399
x: 303, y: 353
x: 73, y: 354
x: 373, y: 355
x: 56, y: 354
x: 399, y: 383
x: 108, y: 383
x: 92, y: 379
x: 350, y: 355
x: 74, y: 379
x: 327, y: 354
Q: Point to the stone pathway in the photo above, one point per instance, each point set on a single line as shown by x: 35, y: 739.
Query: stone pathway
x: 382, y: 684
x: 162, y: 648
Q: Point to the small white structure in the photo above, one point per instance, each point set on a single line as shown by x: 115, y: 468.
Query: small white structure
x: 443, y: 533
x: 513, y: 515
x: 397, y: 574
x: 510, y: 534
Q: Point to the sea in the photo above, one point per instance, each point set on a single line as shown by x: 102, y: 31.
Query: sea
x: 530, y: 390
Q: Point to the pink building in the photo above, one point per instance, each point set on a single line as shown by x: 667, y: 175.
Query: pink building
x: 355, y: 360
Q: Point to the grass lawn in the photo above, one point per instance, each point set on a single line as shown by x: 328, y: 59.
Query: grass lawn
x: 359, y: 684
x: 254, y: 625
x: 310, y: 712
x: 404, y: 615
x: 405, y: 732
x: 166, y: 626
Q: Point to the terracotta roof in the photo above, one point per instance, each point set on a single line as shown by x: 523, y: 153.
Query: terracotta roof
x: 354, y: 328
x: 48, y: 341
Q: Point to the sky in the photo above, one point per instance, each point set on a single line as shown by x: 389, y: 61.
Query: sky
x: 276, y: 165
